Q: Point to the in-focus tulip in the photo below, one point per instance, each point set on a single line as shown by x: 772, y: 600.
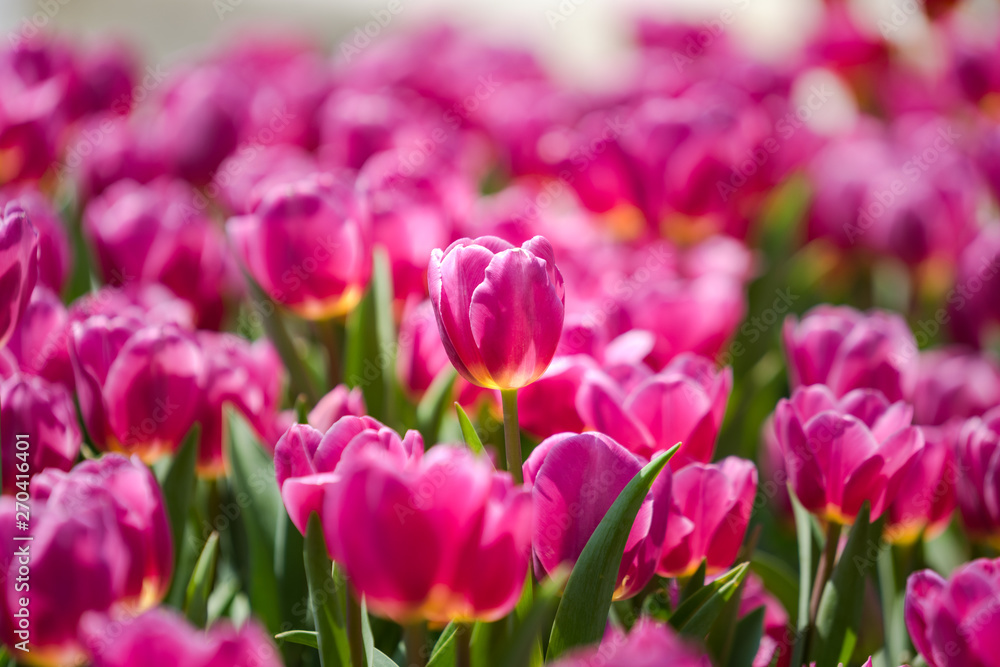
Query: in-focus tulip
x: 716, y: 499
x: 44, y: 412
x: 499, y: 308
x: 307, y: 244
x: 953, y: 622
x: 978, y: 459
x: 574, y: 480
x: 842, y: 452
x: 925, y: 499
x: 306, y: 458
x: 18, y: 267
x: 685, y: 403
x: 440, y: 538
x: 846, y: 349
x: 341, y: 401
x: 649, y: 644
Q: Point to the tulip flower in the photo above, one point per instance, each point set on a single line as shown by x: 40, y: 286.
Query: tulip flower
x: 776, y: 642
x: 954, y: 384
x: 18, y: 267
x: 340, y: 401
x: 716, y: 499
x: 548, y: 405
x: 925, y: 499
x: 978, y: 465
x: 54, y: 259
x: 421, y: 354
x: 306, y: 458
x: 846, y: 349
x: 973, y: 306
x: 307, y: 245
x: 842, y: 452
x: 953, y: 621
x: 649, y: 644
x: 439, y: 538
x: 45, y: 413
x: 40, y: 343
x: 574, y: 480
x: 685, y: 403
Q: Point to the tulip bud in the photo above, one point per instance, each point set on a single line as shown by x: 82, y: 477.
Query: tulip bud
x: 440, y: 538
x: 499, y: 309
x: 307, y: 245
x: 18, y: 267
x: 574, y: 480
x: 716, y: 499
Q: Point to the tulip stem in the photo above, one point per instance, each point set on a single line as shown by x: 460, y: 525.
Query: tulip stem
x: 825, y: 569
x: 355, y: 640
x: 512, y: 434
x: 463, y: 650
x: 415, y: 639
x: 331, y: 335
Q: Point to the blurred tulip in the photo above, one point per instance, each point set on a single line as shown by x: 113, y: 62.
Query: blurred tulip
x: 776, y: 642
x: 55, y: 262
x: 685, y: 403
x: 341, y: 401
x: 978, y: 459
x: 716, y: 501
x: 245, y: 175
x: 440, y: 538
x: 548, y: 405
x: 306, y: 458
x: 44, y: 413
x: 846, y: 349
x: 40, y: 343
x: 421, y: 354
x: 307, y: 245
x: 926, y: 497
x: 649, y: 644
x: 18, y: 267
x: 973, y: 304
x: 954, y: 384
x: 574, y: 480
x: 499, y: 309
x: 842, y: 452
x: 953, y: 621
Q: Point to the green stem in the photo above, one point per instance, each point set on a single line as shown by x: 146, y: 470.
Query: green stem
x: 355, y: 640
x: 415, y: 639
x: 331, y: 335
x: 463, y: 651
x: 825, y: 569
x: 512, y: 434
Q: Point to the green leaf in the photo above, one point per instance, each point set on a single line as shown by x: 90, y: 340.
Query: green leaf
x: 382, y: 660
x: 522, y: 646
x: 198, y: 589
x: 704, y: 616
x: 583, y: 613
x: 840, y: 606
x: 779, y: 580
x: 723, y: 628
x: 432, y: 407
x: 469, y: 431
x: 746, y: 639
x: 686, y: 611
x: 694, y: 583
x: 177, y: 482
x: 367, y: 638
x: 803, y: 533
x: 304, y: 637
x: 443, y: 654
x: 325, y: 599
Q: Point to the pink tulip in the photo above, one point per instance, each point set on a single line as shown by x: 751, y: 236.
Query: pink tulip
x: 842, y: 452
x: 44, y: 412
x: 421, y: 354
x: 777, y: 638
x: 245, y: 175
x: 54, y: 259
x: 846, y: 349
x: 306, y: 458
x: 973, y: 303
x: 925, y: 499
x: 685, y: 403
x: 18, y: 267
x: 716, y: 500
x: 499, y: 308
x: 574, y: 480
x: 341, y: 401
x: 439, y: 538
x: 649, y: 644
x: 548, y: 405
x: 953, y: 622
x: 307, y: 245
x: 954, y: 384
x: 163, y: 638
x: 978, y: 461
x: 40, y: 343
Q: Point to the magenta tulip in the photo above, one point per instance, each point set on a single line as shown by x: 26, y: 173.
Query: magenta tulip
x: 18, y: 267
x: 684, y: 403
x: 44, y: 413
x: 306, y: 458
x: 978, y: 460
x: 973, y: 305
x: 440, y: 538
x: 716, y: 499
x: 40, y: 343
x: 574, y: 480
x: 341, y: 401
x: 954, y: 384
x: 307, y: 244
x: 649, y: 644
x: 421, y: 354
x: 846, y: 349
x: 954, y: 622
x: 548, y: 405
x: 499, y: 308
x: 54, y: 259
x: 842, y: 452
x: 776, y: 642
x: 925, y: 499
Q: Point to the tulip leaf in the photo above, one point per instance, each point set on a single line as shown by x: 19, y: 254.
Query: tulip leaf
x: 4, y: 657
x: 840, y: 605
x: 803, y: 533
x: 380, y: 659
x: 686, y: 610
x: 723, y: 630
x: 583, y: 612
x: 695, y: 583
x: 325, y: 599
x: 177, y: 482
x: 198, y: 589
x: 443, y: 654
x: 432, y: 407
x: 524, y: 644
x: 303, y: 637
x: 746, y: 639
x: 779, y: 580
x: 698, y: 621
x: 469, y: 431
x: 367, y: 638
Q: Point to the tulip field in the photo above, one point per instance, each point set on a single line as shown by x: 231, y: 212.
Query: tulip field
x: 421, y: 355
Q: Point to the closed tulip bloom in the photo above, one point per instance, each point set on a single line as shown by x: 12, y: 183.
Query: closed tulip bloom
x: 45, y: 412
x: 717, y: 501
x: 499, y: 308
x: 925, y: 499
x: 307, y: 244
x: 341, y: 401
x: 846, y: 349
x: 685, y: 402
x: 306, y: 458
x: 574, y: 480
x: 649, y: 644
x: 953, y: 622
x: 18, y: 267
x: 978, y: 458
x: 440, y: 538
x: 842, y: 452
